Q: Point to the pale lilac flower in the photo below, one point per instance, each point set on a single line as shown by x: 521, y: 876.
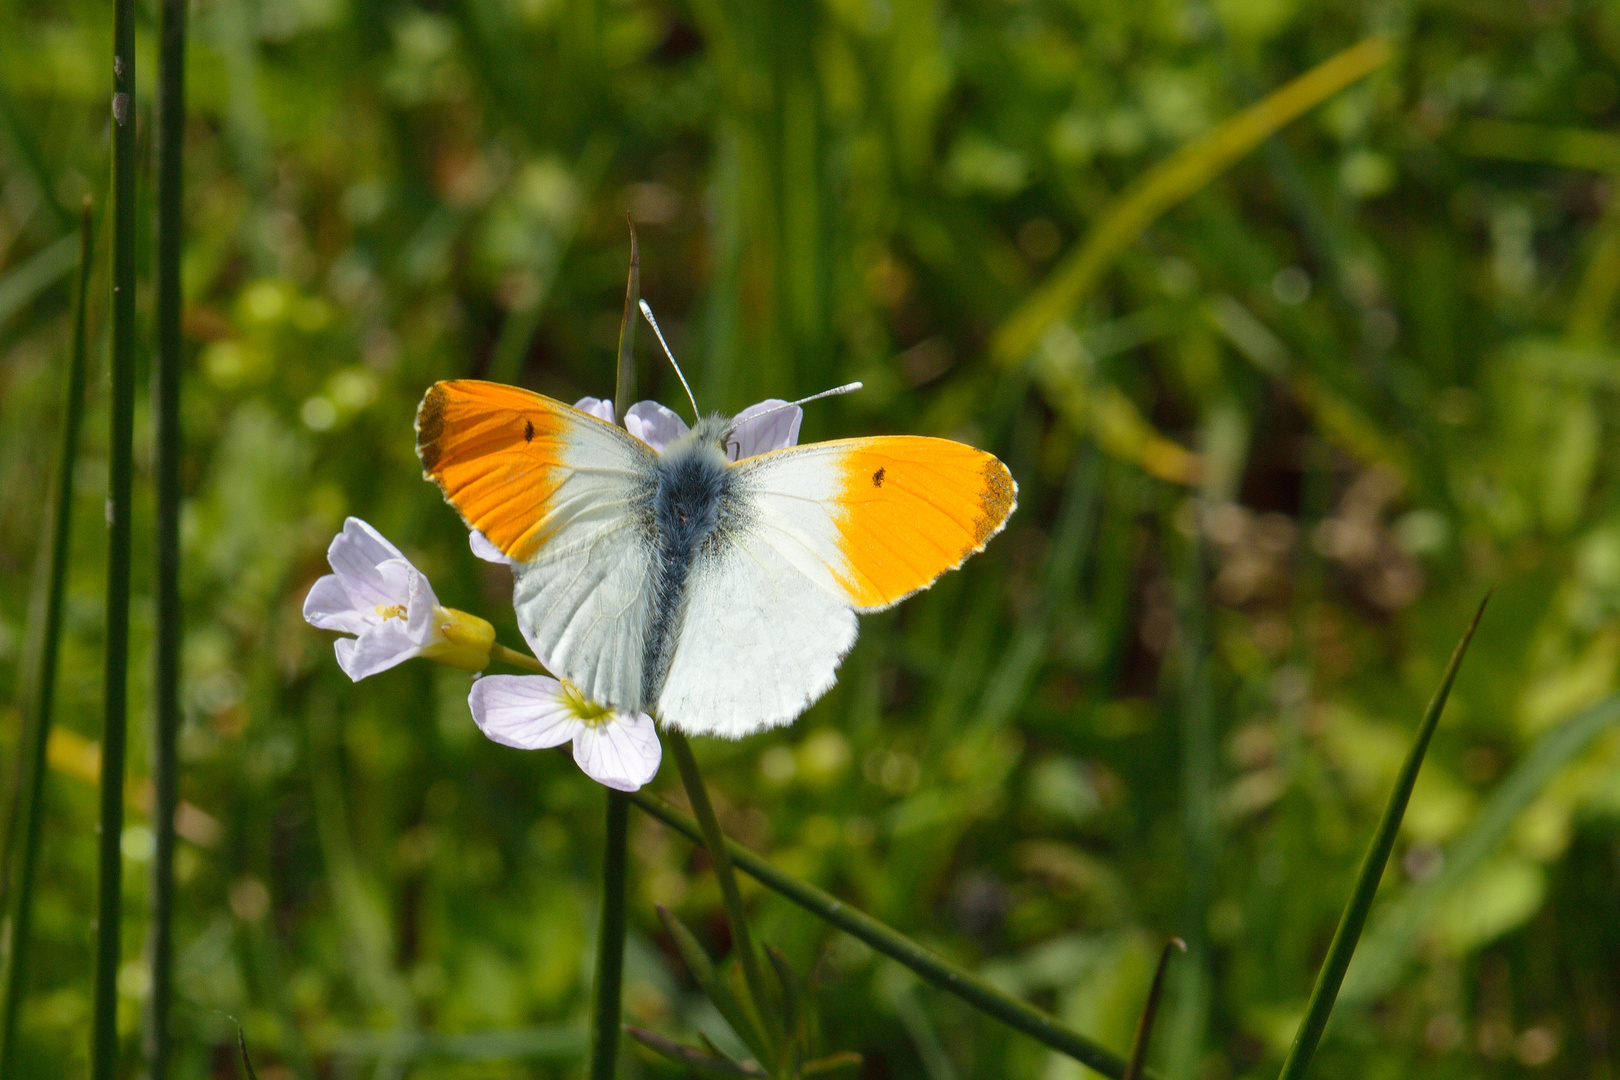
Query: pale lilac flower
x: 758, y: 433
x: 484, y: 549
x: 754, y: 433
x: 654, y: 425
x: 602, y: 410
x: 376, y: 594
x: 534, y: 712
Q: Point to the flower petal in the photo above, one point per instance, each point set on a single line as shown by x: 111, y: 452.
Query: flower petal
x: 622, y: 753
x: 419, y: 602
x: 379, y: 648
x: 355, y: 553
x: 602, y: 410
x: 328, y: 607
x: 487, y: 551
x: 776, y: 431
x: 525, y: 711
x: 654, y: 425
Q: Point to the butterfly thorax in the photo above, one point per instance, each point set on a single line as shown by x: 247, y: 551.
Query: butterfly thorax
x: 692, y: 503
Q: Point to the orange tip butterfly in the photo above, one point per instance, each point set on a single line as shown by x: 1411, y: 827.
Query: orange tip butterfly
x: 685, y: 573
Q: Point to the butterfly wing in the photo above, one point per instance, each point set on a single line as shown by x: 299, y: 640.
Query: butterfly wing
x: 568, y: 497
x: 826, y: 530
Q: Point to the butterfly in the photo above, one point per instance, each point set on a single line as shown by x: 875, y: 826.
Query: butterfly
x: 711, y: 586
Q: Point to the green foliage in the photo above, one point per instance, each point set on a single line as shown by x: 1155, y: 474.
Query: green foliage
x: 1384, y: 337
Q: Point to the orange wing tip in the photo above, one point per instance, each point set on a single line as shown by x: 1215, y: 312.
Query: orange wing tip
x: 998, y: 500
x: 898, y: 545
x: 430, y: 426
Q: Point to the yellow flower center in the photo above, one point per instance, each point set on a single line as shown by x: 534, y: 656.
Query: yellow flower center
x: 589, y: 712
x: 397, y: 611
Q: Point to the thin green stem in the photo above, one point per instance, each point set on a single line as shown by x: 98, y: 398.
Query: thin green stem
x: 166, y: 406
x: 1189, y: 1015
x: 104, y: 1025
x: 516, y: 659
x: 42, y: 689
x: 1372, y: 869
x: 605, y: 1001
x: 719, y: 853
x: 624, y: 388
x: 895, y: 945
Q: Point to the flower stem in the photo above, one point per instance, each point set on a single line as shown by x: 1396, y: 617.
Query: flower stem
x: 104, y: 1026
x: 719, y: 853
x: 516, y: 659
x: 42, y: 679
x: 1343, y: 946
x: 605, y: 1001
x: 166, y: 398
x: 895, y: 945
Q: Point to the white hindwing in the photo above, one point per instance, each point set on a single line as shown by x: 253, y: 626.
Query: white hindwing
x: 766, y: 623
x: 582, y: 601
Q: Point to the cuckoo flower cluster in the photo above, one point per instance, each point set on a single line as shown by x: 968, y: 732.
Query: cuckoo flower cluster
x: 389, y: 609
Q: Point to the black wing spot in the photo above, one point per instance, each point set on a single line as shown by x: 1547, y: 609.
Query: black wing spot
x: 528, y: 431
x: 877, y: 478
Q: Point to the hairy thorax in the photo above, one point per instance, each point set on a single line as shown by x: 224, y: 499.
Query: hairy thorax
x: 692, y: 505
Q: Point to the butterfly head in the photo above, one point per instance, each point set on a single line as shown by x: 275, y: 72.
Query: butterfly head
x: 708, y: 437
x: 713, y: 430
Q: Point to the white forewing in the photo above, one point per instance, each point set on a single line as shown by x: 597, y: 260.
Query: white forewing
x: 582, y: 601
x: 791, y: 497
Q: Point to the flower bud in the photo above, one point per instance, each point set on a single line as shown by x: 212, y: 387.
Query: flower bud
x: 466, y: 640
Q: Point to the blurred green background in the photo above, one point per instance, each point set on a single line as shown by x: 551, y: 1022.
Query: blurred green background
x: 1170, y: 699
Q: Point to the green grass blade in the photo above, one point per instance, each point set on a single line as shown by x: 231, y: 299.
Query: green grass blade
x: 36, y: 274
x: 695, y: 1060
x: 26, y: 827
x: 712, y: 983
x: 1144, y: 1025
x: 1565, y: 147
x: 1200, y: 835
x: 606, y: 995
x: 832, y: 1063
x: 247, y: 1062
x: 624, y: 387
x: 166, y: 402
x: 686, y: 943
x: 110, y: 881
x: 929, y: 965
x: 1162, y: 187
x: 1378, y: 963
x: 789, y: 982
x: 1343, y: 946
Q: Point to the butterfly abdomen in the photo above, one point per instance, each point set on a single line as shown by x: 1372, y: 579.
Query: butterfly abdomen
x: 692, y: 502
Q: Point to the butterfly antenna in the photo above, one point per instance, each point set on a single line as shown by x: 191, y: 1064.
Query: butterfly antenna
x: 646, y: 309
x: 847, y: 388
